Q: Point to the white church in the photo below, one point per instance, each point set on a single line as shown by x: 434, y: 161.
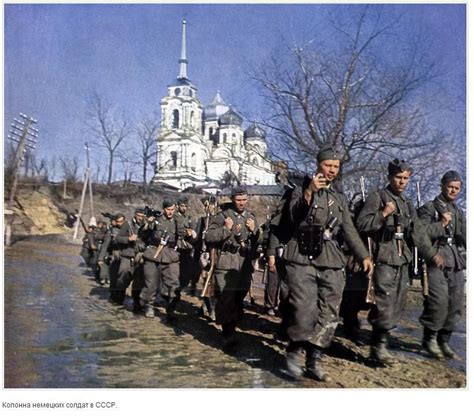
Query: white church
x: 200, y: 146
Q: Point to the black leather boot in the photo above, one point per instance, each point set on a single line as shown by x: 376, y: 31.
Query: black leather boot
x: 431, y: 344
x: 229, y: 338
x: 293, y: 368
x: 314, y: 369
x: 443, y: 339
x: 171, y: 309
x: 379, y: 351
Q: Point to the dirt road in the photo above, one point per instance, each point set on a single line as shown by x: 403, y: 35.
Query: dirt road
x: 61, y: 332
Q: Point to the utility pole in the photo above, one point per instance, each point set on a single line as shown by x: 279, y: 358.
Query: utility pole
x: 23, y: 133
x: 87, y: 183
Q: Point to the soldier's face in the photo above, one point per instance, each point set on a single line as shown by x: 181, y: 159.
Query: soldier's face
x: 119, y: 221
x: 399, y: 182
x: 329, y: 169
x: 169, y: 212
x: 240, y: 202
x: 451, y: 190
x: 182, y: 208
x: 139, y: 216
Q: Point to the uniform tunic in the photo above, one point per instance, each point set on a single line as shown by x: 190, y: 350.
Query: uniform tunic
x: 234, y: 267
x: 391, y: 276
x: 444, y: 304
x: 316, y: 282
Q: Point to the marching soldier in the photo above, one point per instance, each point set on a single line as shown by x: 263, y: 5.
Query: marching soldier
x: 168, y: 259
x: 315, y: 264
x: 130, y: 270
x: 444, y: 304
x: 109, y: 256
x: 390, y: 220
x: 152, y: 240
x: 202, y: 256
x: 186, y: 238
x: 235, y: 234
x: 88, y: 242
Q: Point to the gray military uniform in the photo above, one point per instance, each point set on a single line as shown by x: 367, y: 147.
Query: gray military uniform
x: 234, y: 267
x: 316, y: 281
x: 391, y: 275
x: 444, y: 304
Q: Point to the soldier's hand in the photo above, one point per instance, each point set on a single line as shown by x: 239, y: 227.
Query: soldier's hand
x: 229, y: 223
x: 438, y: 261
x: 368, y: 266
x: 100, y: 263
x: 389, y: 209
x: 271, y: 263
x: 447, y: 217
x: 132, y: 238
x: 250, y: 224
x: 191, y: 233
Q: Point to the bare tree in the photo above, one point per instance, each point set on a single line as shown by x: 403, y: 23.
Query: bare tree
x: 70, y: 168
x: 147, y: 132
x: 350, y: 97
x: 107, y: 129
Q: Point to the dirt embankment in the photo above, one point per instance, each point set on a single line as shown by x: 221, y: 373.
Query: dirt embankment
x: 44, y: 209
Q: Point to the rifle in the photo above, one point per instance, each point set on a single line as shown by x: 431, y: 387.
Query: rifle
x: 424, y: 267
x: 370, y: 296
x: 83, y: 224
x: 207, y: 275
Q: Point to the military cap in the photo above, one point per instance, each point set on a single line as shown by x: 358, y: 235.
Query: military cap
x: 238, y: 190
x: 398, y: 166
x: 139, y: 210
x: 183, y: 200
x: 327, y: 152
x: 450, y: 176
x: 118, y: 216
x: 168, y: 203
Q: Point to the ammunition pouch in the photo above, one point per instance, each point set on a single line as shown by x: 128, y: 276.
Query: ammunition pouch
x: 310, y: 240
x: 388, y: 234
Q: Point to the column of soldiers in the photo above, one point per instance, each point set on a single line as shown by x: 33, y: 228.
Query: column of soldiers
x: 307, y: 243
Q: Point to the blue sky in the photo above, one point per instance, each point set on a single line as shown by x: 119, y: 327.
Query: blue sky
x: 56, y: 55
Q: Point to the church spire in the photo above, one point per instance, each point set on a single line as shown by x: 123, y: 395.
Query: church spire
x: 183, y: 62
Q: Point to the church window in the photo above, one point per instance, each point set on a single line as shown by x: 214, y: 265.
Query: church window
x: 174, y: 159
x: 234, y: 138
x: 224, y: 138
x: 177, y: 91
x: 255, y: 161
x: 192, y: 119
x: 175, y: 118
x: 193, y: 162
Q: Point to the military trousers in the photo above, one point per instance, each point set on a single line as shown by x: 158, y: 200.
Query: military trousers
x: 444, y: 305
x: 169, y: 285
x: 230, y: 289
x: 113, y: 276
x: 273, y: 285
x: 129, y: 273
x: 314, y: 297
x: 188, y: 268
x: 391, y: 287
x: 151, y: 282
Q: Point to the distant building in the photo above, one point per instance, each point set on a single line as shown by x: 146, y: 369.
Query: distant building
x: 203, y: 146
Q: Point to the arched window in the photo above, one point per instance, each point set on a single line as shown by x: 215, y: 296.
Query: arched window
x: 211, y: 131
x: 175, y: 118
x: 192, y: 119
x: 174, y: 159
x: 255, y: 161
x: 234, y: 138
x: 224, y: 138
x: 193, y: 162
